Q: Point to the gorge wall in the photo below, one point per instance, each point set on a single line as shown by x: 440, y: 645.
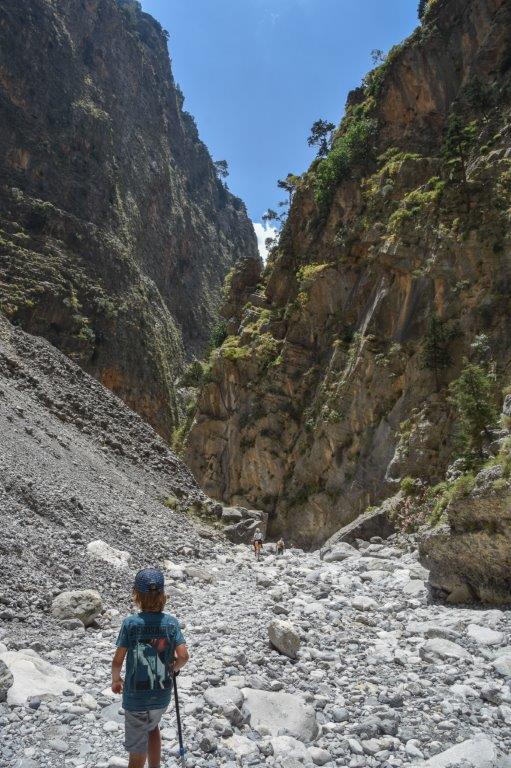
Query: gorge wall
x: 319, y: 402
x: 115, y: 232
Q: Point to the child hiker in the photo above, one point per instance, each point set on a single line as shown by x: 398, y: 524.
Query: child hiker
x: 155, y: 649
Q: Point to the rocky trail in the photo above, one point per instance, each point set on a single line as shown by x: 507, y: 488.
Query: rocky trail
x: 368, y: 673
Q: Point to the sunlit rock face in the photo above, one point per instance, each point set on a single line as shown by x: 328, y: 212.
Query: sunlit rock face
x: 319, y: 402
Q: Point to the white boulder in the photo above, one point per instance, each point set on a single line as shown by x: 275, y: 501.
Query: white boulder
x: 33, y: 676
x: 241, y: 746
x: 484, y: 635
x: 280, y: 714
x: 319, y: 756
x: 100, y: 550
x: 438, y: 648
x: 287, y: 746
x: 364, y: 603
x: 340, y: 552
x: 478, y: 752
x: 174, y: 571
x: 223, y: 695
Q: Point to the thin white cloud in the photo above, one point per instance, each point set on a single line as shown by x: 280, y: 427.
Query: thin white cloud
x: 263, y: 231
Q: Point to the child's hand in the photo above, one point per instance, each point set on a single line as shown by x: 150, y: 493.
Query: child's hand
x: 117, y: 686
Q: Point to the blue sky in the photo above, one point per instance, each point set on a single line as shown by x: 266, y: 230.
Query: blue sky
x: 257, y: 73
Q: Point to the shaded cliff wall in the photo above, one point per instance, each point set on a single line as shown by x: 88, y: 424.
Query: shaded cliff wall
x: 115, y: 233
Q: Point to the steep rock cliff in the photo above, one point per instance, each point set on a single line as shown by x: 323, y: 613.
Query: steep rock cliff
x: 319, y: 402
x: 115, y: 232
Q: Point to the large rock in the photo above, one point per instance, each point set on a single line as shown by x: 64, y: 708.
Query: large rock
x: 199, y: 573
x: 6, y: 680
x: 287, y: 746
x: 100, y: 550
x: 224, y: 695
x: 284, y: 637
x: 242, y: 746
x: 242, y: 532
x: 484, y: 635
x: 33, y: 676
x: 374, y: 523
x: 469, y: 558
x: 281, y: 714
x: 479, y: 752
x: 439, y: 648
x: 339, y: 552
x: 85, y: 604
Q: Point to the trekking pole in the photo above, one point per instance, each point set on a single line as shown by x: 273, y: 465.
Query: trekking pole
x: 179, y: 729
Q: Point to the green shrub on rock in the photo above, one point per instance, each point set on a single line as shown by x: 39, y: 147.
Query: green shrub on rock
x: 350, y: 148
x: 473, y: 395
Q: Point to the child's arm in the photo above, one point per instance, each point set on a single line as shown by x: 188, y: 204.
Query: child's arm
x: 117, y: 662
x: 182, y: 657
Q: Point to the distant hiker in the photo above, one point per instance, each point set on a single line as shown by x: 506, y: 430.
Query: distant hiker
x: 280, y: 546
x: 155, y: 650
x: 257, y: 541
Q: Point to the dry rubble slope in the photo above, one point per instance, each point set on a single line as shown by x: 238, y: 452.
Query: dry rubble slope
x: 76, y: 465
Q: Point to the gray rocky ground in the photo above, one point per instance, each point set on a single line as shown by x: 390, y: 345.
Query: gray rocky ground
x: 381, y: 677
x: 368, y: 672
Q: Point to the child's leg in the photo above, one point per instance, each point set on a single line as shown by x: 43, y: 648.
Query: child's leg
x: 136, y: 760
x: 154, y: 748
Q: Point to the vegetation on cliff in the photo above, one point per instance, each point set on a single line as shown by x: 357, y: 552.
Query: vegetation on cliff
x: 392, y: 269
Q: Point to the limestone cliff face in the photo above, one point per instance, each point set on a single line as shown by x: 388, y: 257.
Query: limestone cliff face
x: 319, y: 403
x: 115, y: 233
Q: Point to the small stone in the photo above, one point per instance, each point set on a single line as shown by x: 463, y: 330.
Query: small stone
x: 319, y: 756
x: 208, y: 742
x: 340, y: 715
x: 363, y: 603
x: 58, y: 745
x: 502, y: 665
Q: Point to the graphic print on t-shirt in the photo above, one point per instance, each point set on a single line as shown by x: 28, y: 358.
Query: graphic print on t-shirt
x: 151, y: 640
x: 151, y: 665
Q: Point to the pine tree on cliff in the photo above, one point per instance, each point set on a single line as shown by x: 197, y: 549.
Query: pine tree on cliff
x: 289, y: 185
x: 435, y: 352
x: 473, y: 394
x: 222, y: 168
x: 321, y: 136
x: 422, y: 8
x: 458, y: 142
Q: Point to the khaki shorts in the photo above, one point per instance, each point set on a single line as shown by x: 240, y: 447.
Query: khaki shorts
x: 138, y: 725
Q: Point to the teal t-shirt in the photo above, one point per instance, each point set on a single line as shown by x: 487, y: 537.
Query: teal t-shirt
x: 151, y: 640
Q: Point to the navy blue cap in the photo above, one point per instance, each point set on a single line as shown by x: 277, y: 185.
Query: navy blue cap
x: 150, y: 580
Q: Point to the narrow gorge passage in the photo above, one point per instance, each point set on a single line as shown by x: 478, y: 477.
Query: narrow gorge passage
x: 179, y: 369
